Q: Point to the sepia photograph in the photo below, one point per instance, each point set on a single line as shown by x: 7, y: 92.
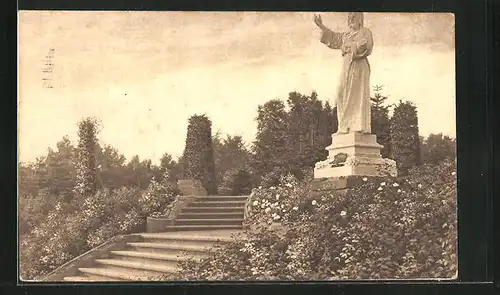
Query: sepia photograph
x: 194, y: 146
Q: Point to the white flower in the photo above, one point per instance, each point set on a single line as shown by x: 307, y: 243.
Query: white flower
x: 277, y: 217
x: 380, y: 188
x: 399, y: 190
x: 262, y: 206
x: 260, y: 187
x: 267, y: 210
x: 255, y: 203
x: 289, y: 184
x: 295, y: 208
x: 365, y: 179
x: 419, y: 185
x: 453, y: 173
x: 314, y: 202
x: 277, y: 196
x: 395, y: 184
x: 343, y: 213
x: 382, y: 184
x: 272, y: 187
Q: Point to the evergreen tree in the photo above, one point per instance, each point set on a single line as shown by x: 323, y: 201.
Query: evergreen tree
x: 404, y: 136
x: 270, y: 149
x: 437, y: 148
x: 230, y: 154
x: 380, y: 121
x: 328, y: 126
x: 198, y: 157
x: 86, y: 183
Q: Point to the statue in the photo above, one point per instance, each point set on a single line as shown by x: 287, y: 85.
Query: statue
x: 354, y: 151
x: 353, y: 93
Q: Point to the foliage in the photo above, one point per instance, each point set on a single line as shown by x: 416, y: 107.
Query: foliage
x: 385, y: 228
x: 292, y: 139
x: 404, y: 136
x: 380, y: 121
x: 198, y: 157
x: 86, y: 183
x: 309, y: 130
x: 110, y: 168
x: 236, y: 182
x: 270, y: 143
x: 71, y: 228
x: 437, y: 148
x: 230, y: 154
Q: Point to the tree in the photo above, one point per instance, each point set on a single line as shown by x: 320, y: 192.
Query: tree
x: 198, y: 157
x: 404, y: 136
x: 236, y: 182
x: 111, y: 168
x: 304, y: 138
x: 270, y: 147
x: 381, y: 125
x: 230, y: 154
x: 138, y: 173
x: 86, y: 183
x: 437, y: 148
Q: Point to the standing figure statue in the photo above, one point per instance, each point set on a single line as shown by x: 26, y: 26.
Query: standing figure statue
x: 353, y: 93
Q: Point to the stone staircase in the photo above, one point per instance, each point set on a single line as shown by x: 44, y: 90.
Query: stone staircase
x: 211, y: 212
x: 205, y: 222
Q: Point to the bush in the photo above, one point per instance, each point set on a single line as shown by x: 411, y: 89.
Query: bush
x: 391, y: 228
x: 71, y: 229
x: 236, y: 182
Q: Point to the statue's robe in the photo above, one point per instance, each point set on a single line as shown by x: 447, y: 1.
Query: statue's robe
x: 353, y: 94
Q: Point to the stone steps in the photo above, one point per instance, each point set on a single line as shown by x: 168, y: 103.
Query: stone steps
x: 211, y: 215
x: 146, y: 256
x: 146, y: 265
x: 205, y: 209
x: 88, y: 278
x: 224, y: 198
x: 194, y: 238
x: 119, y: 274
x: 202, y: 225
x: 219, y: 221
x: 209, y: 203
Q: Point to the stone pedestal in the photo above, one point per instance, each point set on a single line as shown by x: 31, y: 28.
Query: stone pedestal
x: 354, y: 154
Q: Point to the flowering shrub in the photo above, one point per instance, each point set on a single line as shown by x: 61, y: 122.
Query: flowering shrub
x: 71, y: 229
x: 388, y: 228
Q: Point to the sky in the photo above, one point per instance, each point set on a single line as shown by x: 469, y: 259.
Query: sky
x: 143, y: 74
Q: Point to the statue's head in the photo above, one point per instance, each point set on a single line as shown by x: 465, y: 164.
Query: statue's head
x: 355, y: 20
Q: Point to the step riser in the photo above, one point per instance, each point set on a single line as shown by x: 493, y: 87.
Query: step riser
x: 97, y: 278
x: 211, y: 216
x: 146, y: 261
x: 209, y: 210
x: 222, y: 199
x: 217, y: 204
x: 89, y: 278
x: 209, y: 222
x: 132, y: 274
x: 201, y: 227
x: 165, y: 251
x: 144, y: 269
x: 180, y: 242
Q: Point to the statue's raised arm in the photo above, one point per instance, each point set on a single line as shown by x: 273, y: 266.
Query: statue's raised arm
x: 330, y: 38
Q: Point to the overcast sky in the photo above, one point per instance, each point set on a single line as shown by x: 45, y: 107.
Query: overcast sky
x: 145, y: 73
